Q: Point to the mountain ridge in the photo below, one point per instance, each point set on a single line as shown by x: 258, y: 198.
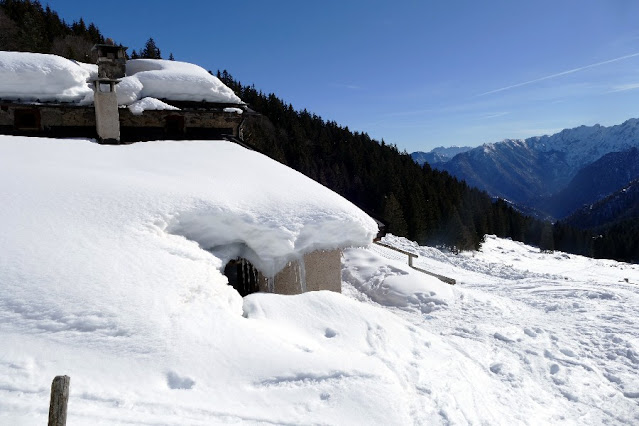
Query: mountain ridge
x: 524, y: 170
x: 438, y: 155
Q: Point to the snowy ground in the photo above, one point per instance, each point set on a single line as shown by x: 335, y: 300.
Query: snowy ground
x: 104, y: 277
x: 533, y: 337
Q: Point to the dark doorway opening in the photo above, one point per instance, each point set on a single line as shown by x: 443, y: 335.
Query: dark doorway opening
x: 174, y: 126
x: 243, y: 276
x: 26, y: 119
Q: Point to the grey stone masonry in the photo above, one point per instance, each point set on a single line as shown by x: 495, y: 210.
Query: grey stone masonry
x: 111, y: 62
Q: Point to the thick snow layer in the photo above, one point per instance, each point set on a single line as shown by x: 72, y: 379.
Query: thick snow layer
x: 37, y: 77
x: 177, y: 81
x: 138, y: 107
x: 214, y: 193
x: 390, y: 283
x: 92, y: 69
x: 110, y: 273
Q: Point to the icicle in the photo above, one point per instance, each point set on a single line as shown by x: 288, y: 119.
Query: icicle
x: 255, y: 279
x: 301, y: 277
x: 244, y: 276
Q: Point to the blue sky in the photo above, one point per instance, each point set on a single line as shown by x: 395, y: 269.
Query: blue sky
x: 418, y: 74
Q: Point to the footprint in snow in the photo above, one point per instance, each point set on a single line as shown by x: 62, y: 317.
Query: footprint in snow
x: 176, y: 382
x: 503, y: 338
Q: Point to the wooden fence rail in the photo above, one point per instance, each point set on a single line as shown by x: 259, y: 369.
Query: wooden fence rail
x: 411, y: 256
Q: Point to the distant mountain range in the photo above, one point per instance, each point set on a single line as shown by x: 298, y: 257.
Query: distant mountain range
x: 438, y: 155
x: 557, y: 174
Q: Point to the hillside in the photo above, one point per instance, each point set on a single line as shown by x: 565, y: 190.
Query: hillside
x: 616, y: 215
x: 26, y: 26
x: 619, y: 206
x: 594, y: 182
x: 107, y: 278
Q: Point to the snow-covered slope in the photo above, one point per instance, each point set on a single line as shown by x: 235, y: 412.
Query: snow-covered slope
x: 523, y: 170
x: 533, y: 338
x: 104, y: 277
x: 622, y: 205
x: 594, y: 182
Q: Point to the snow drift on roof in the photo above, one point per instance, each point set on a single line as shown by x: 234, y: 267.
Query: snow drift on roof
x: 178, y: 81
x: 138, y: 107
x: 34, y: 77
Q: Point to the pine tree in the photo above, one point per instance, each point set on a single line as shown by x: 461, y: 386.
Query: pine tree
x: 394, y: 215
x: 150, y: 51
x: 459, y: 236
x: 546, y: 239
x: 171, y: 58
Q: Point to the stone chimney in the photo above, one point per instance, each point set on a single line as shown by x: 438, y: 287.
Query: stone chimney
x: 111, y: 62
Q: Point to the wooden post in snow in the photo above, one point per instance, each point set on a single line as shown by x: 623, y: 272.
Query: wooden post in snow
x: 59, y: 400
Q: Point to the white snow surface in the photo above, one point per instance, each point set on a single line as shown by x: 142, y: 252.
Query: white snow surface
x: 174, y: 80
x: 105, y: 276
x: 138, y: 107
x: 38, y: 77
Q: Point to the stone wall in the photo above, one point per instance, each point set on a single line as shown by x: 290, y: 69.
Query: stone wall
x: 319, y: 270
x: 324, y: 270
x: 61, y: 120
x: 47, y: 120
x: 184, y: 124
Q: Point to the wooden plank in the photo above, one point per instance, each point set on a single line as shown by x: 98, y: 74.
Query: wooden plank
x: 443, y: 278
x: 407, y: 253
x: 411, y: 256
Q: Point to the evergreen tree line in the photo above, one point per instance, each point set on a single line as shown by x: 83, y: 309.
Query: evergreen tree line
x: 423, y: 204
x: 26, y: 26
